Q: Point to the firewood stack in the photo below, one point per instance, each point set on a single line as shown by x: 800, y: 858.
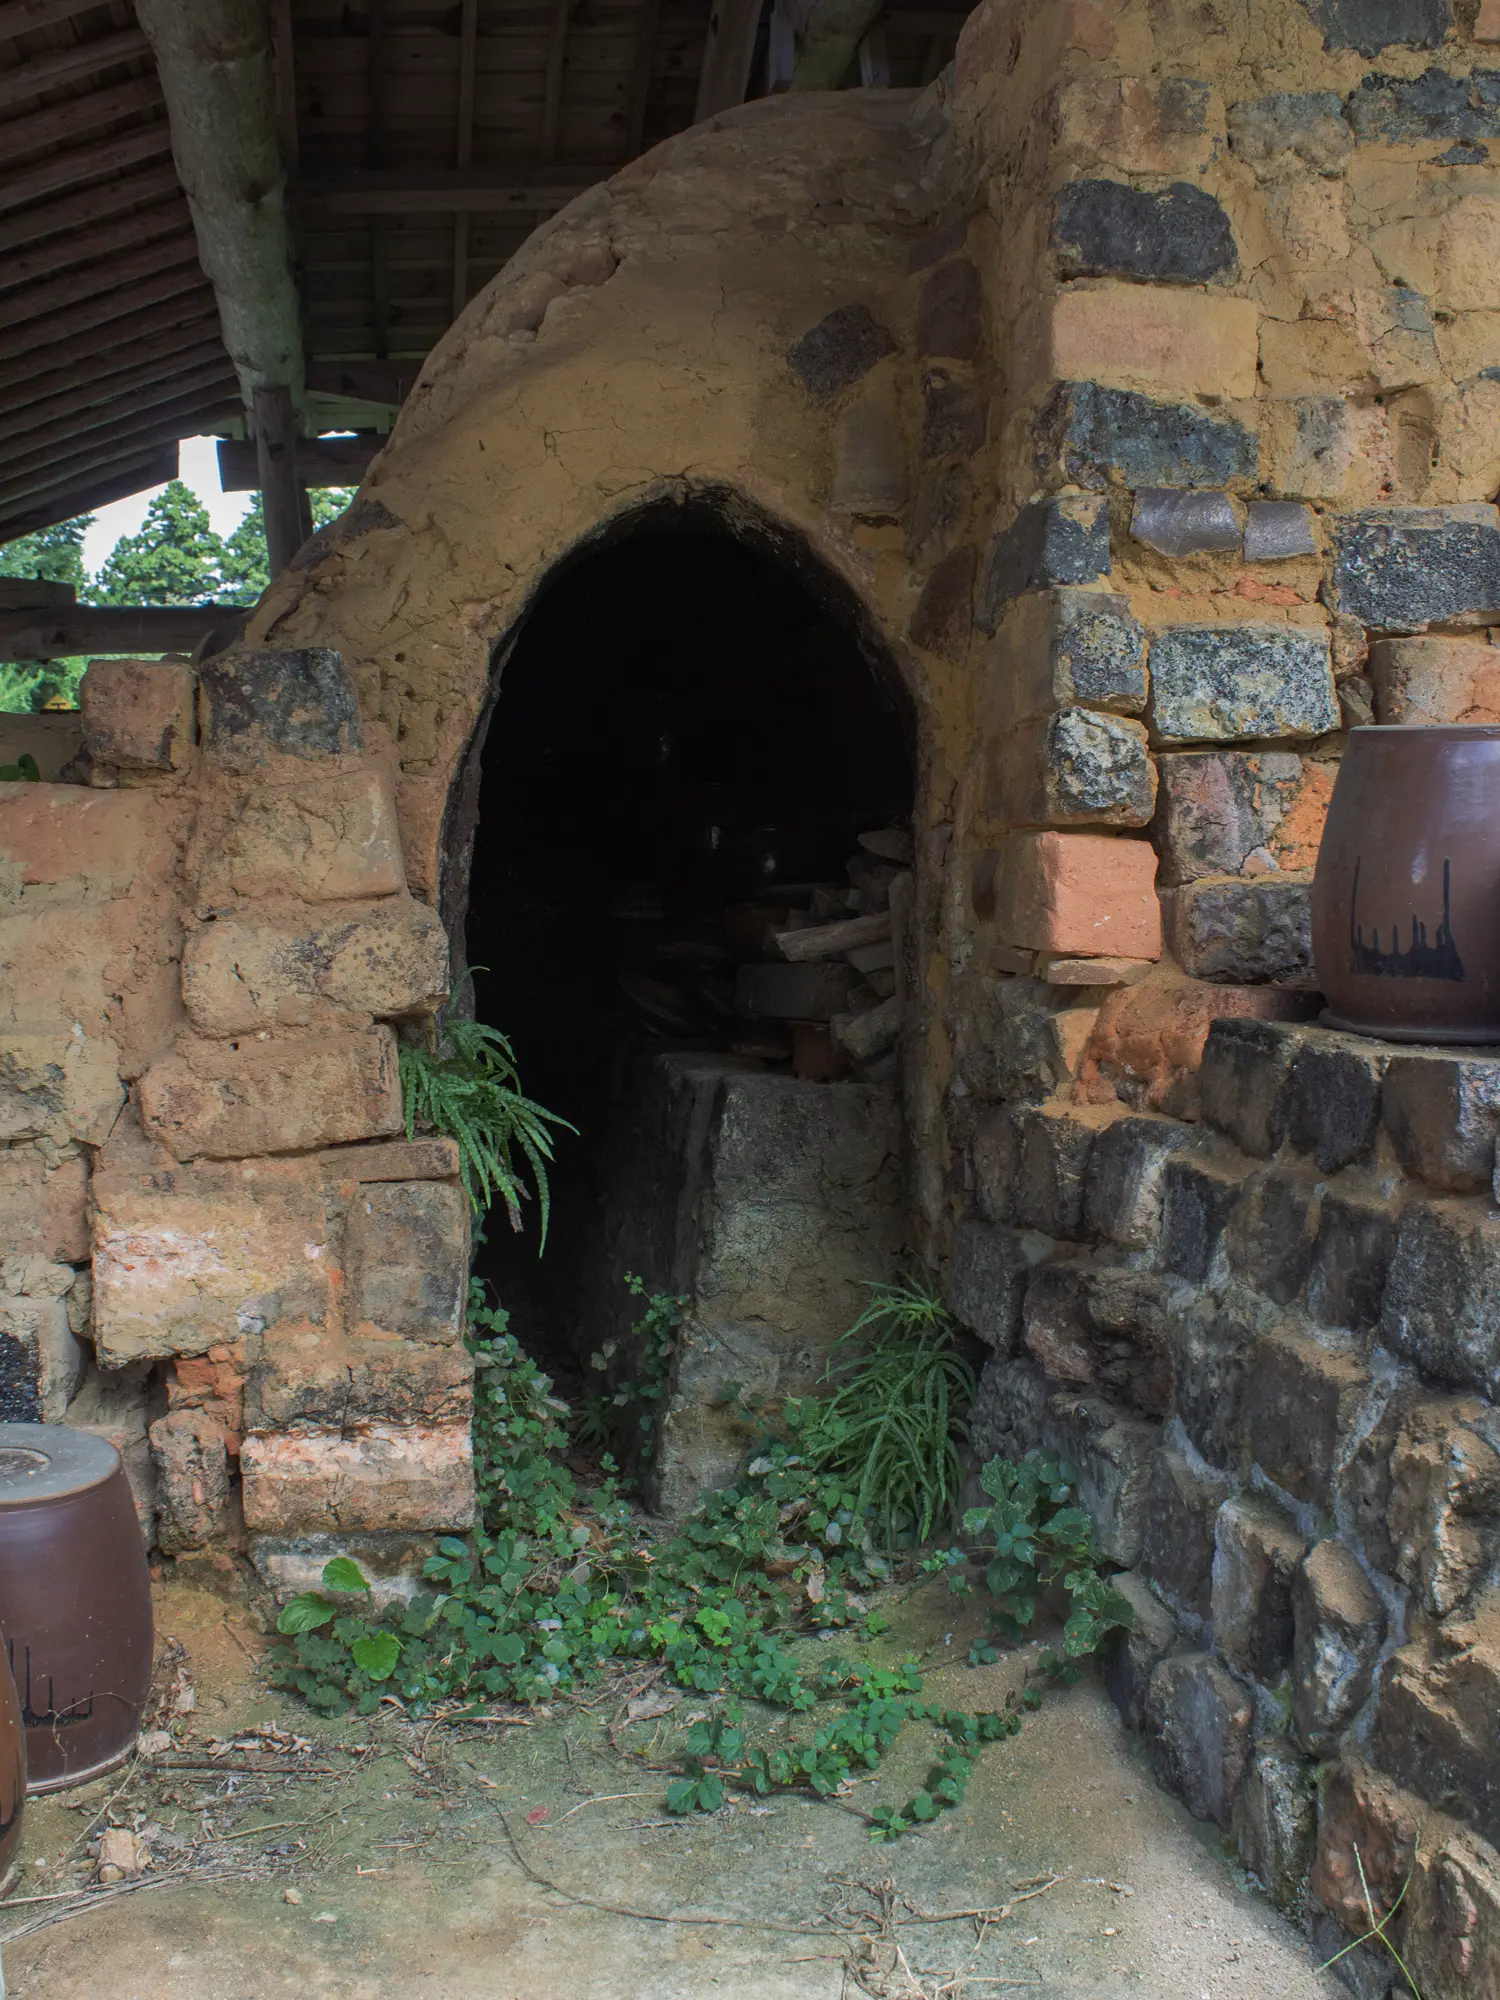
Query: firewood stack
x: 819, y: 967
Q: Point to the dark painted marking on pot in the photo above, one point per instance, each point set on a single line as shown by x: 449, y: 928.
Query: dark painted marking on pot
x: 1438, y: 959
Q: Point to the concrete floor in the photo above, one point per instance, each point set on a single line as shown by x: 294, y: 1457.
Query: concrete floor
x: 391, y: 1876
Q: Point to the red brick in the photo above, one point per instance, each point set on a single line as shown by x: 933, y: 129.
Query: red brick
x: 1077, y: 892
x: 138, y: 713
x: 1166, y: 341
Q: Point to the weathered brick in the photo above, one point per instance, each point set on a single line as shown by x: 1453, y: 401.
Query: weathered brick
x: 1443, y: 1113
x: 226, y: 1100
x: 1301, y: 1407
x: 1049, y: 542
x: 1198, y: 1198
x: 1351, y: 1255
x: 44, y: 1208
x: 1436, y: 680
x: 1141, y: 125
x: 1442, y: 1297
x: 1401, y: 569
x: 59, y: 1087
x: 1153, y: 338
x: 1123, y: 1185
x: 1270, y: 1236
x: 1073, y: 768
x: 1372, y: 25
x: 1243, y: 1084
x: 406, y: 1255
x: 1256, y: 1555
x: 944, y: 614
x: 1178, y: 1552
x: 1275, y: 1822
x: 98, y: 844
x: 296, y: 702
x: 1062, y: 648
x: 187, y: 1262
x: 1234, y: 932
x: 138, y: 713
x: 1102, y: 1328
x: 392, y: 1564
x: 1324, y: 447
x: 1077, y: 892
x: 1423, y: 1491
x: 986, y: 1282
x: 1133, y: 1656
x: 333, y: 840
x: 1200, y: 1719
x: 1211, y: 1349
x: 430, y: 1159
x: 1185, y: 524
x: 41, y: 1360
x: 304, y: 1376
x: 1219, y: 683
x: 379, y: 1477
x: 1435, y: 1726
x: 1090, y: 435
x: 1109, y: 229
x: 1360, y: 1809
x: 388, y: 958
x: 1339, y: 1628
x: 836, y: 353
x: 1333, y: 1102
x: 869, y: 460
x: 192, y: 1480
x: 950, y: 311
x: 1223, y: 811
x: 1147, y: 1042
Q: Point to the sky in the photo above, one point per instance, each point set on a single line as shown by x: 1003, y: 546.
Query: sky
x: 198, y: 467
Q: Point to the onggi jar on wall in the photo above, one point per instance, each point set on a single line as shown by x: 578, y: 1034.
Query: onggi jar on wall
x: 1406, y: 899
x: 75, y: 1601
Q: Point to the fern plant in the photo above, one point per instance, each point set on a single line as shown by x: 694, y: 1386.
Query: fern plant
x: 470, y: 1088
x: 892, y: 1427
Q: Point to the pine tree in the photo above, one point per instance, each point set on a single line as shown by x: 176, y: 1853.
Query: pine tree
x: 175, y: 559
x: 55, y: 553
x: 245, y: 570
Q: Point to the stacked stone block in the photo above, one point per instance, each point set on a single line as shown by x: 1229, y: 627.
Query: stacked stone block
x: 1267, y: 1338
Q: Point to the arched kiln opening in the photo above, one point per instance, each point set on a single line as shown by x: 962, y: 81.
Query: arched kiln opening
x: 694, y: 747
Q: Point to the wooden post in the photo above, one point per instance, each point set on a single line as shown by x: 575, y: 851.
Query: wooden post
x: 725, y: 76
x: 276, y: 458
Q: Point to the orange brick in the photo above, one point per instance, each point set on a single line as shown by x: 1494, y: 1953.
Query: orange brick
x: 1078, y: 892
x: 1156, y: 338
x: 1436, y: 680
x: 1487, y: 26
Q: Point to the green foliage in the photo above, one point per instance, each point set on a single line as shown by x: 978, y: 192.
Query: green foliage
x: 554, y: 1587
x: 629, y: 1416
x: 1377, y: 1933
x: 24, y: 771
x: 244, y: 568
x: 893, y: 1424
x: 55, y: 555
x: 470, y: 1089
x: 174, y: 559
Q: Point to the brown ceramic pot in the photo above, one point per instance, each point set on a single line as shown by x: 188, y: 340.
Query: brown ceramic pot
x: 75, y: 1600
x: 12, y: 1774
x: 1406, y: 900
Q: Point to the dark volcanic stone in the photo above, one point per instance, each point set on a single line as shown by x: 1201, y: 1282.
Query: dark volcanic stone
x: 298, y: 701
x: 1197, y: 1202
x: 955, y: 417
x: 1270, y: 1238
x: 1050, y: 541
x: 1184, y: 524
x: 20, y: 1397
x: 1243, y: 932
x: 1350, y: 1258
x: 1178, y: 1554
x: 1100, y: 649
x: 1123, y: 1188
x: 944, y: 615
x: 1434, y: 105
x: 1372, y: 25
x: 1404, y: 568
x: 1301, y: 1408
x: 987, y: 1276
x: 950, y: 312
x: 1219, y: 683
x: 1210, y: 1358
x: 1277, y: 529
x: 1089, y: 433
x: 1442, y: 1299
x: 1308, y: 124
x: 1107, y: 229
x: 1242, y: 1082
x: 839, y: 350
x: 1334, y: 1107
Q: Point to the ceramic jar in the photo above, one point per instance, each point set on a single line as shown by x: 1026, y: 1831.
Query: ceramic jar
x: 1406, y: 899
x: 75, y: 1601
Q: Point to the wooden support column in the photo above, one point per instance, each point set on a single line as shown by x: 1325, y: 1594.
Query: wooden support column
x: 725, y: 76
x: 288, y: 521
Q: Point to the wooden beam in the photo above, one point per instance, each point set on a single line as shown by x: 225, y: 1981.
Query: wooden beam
x: 82, y: 163
x: 491, y: 188
x: 331, y: 461
x: 363, y: 381
x: 61, y: 122
x: 35, y: 302
x: 725, y: 76
x: 34, y: 593
x: 463, y: 143
x: 81, y: 211
x: 44, y: 424
x: 91, y: 244
x: 375, y: 157
x: 214, y: 61
x: 108, y: 628
x: 38, y: 336
x: 552, y: 88
x: 151, y: 469
x: 173, y: 299
x: 640, y: 82
x: 115, y: 372
x: 39, y: 73
x: 275, y: 450
x: 20, y: 17
x: 116, y: 432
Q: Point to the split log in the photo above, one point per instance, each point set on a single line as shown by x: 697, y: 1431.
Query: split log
x: 866, y: 1036
x: 830, y: 940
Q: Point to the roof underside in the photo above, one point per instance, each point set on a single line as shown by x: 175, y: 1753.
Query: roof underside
x: 423, y: 142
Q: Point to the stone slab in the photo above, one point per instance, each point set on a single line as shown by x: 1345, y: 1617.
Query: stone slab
x: 1227, y: 683
x: 380, y: 1478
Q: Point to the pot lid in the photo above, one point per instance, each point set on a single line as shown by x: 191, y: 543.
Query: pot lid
x: 50, y: 1461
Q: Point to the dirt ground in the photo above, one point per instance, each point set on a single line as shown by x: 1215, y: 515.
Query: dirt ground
x: 389, y: 1859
